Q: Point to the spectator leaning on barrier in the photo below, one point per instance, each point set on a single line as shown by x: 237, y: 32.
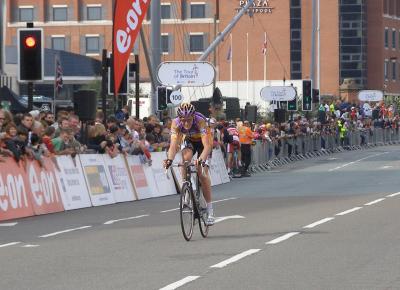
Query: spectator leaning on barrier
x: 97, y: 138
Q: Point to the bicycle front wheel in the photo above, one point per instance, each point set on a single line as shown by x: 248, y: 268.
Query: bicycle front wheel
x: 186, y: 207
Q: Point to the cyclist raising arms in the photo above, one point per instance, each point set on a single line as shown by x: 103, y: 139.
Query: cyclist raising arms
x: 191, y: 131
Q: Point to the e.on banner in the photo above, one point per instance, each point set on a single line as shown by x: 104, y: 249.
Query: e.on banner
x: 14, y: 191
x: 45, y: 194
x: 128, y: 17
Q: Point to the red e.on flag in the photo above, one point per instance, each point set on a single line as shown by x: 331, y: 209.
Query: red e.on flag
x: 128, y: 17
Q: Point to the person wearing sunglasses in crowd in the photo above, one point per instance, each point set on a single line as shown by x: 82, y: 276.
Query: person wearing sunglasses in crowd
x: 191, y: 132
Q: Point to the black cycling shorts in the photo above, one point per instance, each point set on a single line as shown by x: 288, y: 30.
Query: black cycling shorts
x: 194, y: 146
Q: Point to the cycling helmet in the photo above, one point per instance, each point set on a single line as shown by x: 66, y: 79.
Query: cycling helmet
x: 186, y: 110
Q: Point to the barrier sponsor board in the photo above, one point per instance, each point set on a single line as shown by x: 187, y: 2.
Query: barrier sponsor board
x: 72, y: 184
x: 96, y: 179
x: 15, y: 199
x: 164, y: 185
x: 220, y: 166
x: 118, y: 175
x: 46, y: 197
x: 139, y: 176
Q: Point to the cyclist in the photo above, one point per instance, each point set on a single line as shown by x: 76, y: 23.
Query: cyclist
x: 233, y: 146
x: 191, y: 131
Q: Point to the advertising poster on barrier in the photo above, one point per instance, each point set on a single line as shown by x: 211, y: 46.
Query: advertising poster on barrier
x: 74, y: 192
x: 140, y: 180
x: 220, y: 164
x: 177, y: 171
x: 214, y: 171
x: 96, y: 179
x: 15, y: 201
x: 165, y: 186
x: 45, y: 193
x: 118, y: 175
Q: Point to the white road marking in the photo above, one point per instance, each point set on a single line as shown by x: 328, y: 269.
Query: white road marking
x: 349, y: 210
x: 9, y: 244
x: 310, y: 226
x: 224, y: 218
x: 125, y: 219
x: 375, y: 201
x: 350, y: 163
x: 180, y: 283
x: 8, y: 224
x: 393, y: 195
x: 386, y: 167
x: 63, y: 232
x: 30, y: 246
x: 169, y: 210
x: 216, y: 201
x: 235, y: 258
x: 226, y: 199
x: 282, y: 238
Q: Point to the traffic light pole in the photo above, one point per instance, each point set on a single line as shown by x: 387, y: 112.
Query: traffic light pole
x: 30, y: 96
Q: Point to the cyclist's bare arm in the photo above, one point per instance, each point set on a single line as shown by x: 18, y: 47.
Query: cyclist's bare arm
x: 205, y: 139
x: 176, y: 138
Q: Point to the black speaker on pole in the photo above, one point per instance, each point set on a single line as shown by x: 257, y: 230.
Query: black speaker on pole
x: 279, y: 115
x: 85, y: 104
x: 232, y: 109
x: 202, y: 107
x: 251, y: 113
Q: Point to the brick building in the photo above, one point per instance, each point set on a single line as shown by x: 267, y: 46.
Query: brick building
x: 359, y: 39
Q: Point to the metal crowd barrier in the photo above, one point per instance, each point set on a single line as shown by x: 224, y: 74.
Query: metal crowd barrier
x: 288, y: 148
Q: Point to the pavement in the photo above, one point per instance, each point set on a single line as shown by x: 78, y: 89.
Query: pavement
x: 323, y: 223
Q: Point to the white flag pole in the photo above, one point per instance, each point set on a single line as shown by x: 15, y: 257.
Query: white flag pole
x: 231, y: 64
x: 247, y: 65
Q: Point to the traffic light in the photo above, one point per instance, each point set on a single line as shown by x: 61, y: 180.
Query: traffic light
x: 163, y: 95
x: 124, y: 87
x: 307, y: 95
x: 30, y: 54
x: 315, y: 96
x: 292, y: 105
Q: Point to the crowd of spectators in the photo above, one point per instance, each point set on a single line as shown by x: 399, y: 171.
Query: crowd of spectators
x: 36, y: 134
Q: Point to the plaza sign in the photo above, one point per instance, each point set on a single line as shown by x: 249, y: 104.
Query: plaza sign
x: 259, y: 6
x: 280, y: 94
x: 370, y: 96
x: 186, y: 73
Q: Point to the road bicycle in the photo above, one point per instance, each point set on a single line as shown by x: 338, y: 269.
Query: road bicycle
x: 192, y: 204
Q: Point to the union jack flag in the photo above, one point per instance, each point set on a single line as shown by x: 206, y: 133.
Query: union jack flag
x: 59, y: 75
x: 264, y: 48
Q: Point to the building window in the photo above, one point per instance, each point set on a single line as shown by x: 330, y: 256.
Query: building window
x: 394, y: 39
x: 165, y: 43
x: 60, y: 13
x: 196, y: 43
x: 394, y: 70
x: 386, y: 69
x: 58, y: 43
x: 92, y: 44
x: 198, y: 10
x: 165, y: 11
x: 93, y: 13
x: 386, y: 37
x: 25, y: 14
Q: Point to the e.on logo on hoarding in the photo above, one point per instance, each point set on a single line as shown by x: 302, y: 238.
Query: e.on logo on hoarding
x: 14, y: 197
x: 44, y: 188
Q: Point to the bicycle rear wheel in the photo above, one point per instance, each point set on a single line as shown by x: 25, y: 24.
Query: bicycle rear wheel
x: 186, y: 208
